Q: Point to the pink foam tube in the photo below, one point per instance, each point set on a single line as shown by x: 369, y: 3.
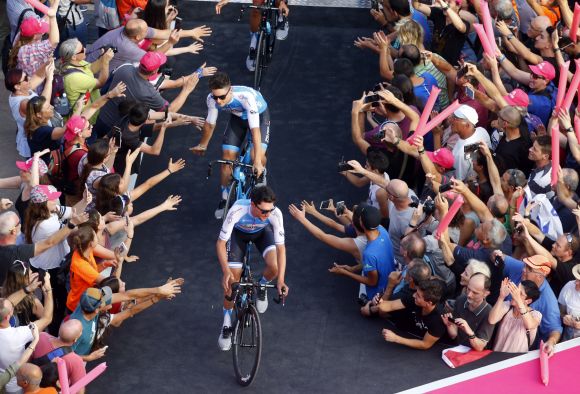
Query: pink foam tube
x: 575, y: 22
x: 488, y: 25
x: 555, y: 153
x: 444, y: 223
x: 436, y: 121
x: 427, y: 110
x: 38, y: 5
x: 562, y: 83
x: 88, y: 378
x: 62, y: 376
x: 569, y: 96
x: 544, y: 365
x: 487, y: 48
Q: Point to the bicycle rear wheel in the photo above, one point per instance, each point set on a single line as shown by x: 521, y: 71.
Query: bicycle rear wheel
x: 247, y: 346
x: 260, y: 59
x: 232, y: 198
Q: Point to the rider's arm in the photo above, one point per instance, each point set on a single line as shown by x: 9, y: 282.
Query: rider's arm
x: 278, y: 228
x: 251, y: 107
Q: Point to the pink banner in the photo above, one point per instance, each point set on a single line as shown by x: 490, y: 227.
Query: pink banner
x: 555, y: 152
x: 544, y: 365
x: 487, y: 48
x: 575, y: 22
x: 488, y: 25
x: 562, y: 83
x: 444, y: 223
x: 38, y: 5
x: 88, y: 378
x: 436, y: 121
x: 569, y: 96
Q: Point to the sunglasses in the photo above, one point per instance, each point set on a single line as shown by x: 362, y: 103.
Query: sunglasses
x: 265, y: 211
x: 83, y: 49
x: 222, y: 97
x: 25, y: 79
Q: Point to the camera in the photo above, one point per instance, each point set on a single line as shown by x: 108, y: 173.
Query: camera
x: 379, y: 136
x: 363, y: 300
x: 344, y: 166
x: 462, y: 72
x: 105, y: 48
x: 340, y: 207
x: 498, y: 261
x: 520, y: 228
x: 446, y: 187
x: 471, y: 148
x: 41, y: 274
x: 372, y: 98
x: 428, y: 205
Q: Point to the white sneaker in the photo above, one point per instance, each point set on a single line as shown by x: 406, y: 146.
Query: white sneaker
x: 262, y: 300
x: 250, y: 64
x: 225, y: 339
x: 282, y: 30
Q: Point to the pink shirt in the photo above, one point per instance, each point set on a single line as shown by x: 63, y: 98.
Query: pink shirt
x: 511, y: 335
x: 75, y: 365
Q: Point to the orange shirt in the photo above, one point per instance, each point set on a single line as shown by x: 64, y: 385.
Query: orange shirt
x: 126, y: 7
x: 83, y: 275
x: 553, y: 13
x: 46, y: 390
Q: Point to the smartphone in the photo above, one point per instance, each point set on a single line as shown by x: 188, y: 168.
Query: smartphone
x: 344, y: 166
x: 470, y: 93
x: 340, y: 207
x: 106, y: 272
x: 117, y: 136
x: 462, y: 72
x: 445, y: 187
x: 178, y: 22
x: 471, y: 148
x: 372, y: 98
x: 325, y: 204
x: 41, y: 274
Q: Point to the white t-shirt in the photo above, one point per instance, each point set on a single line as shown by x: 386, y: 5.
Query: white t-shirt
x: 12, y: 341
x: 21, y: 141
x: 463, y: 166
x: 373, y: 188
x: 570, y: 298
x: 52, y: 257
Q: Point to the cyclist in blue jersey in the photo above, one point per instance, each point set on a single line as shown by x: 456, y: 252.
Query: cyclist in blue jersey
x: 248, y: 110
x: 255, y: 15
x: 258, y: 221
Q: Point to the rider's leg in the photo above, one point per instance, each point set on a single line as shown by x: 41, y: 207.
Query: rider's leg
x: 226, y: 171
x: 231, y: 143
x: 266, y: 245
x: 255, y: 16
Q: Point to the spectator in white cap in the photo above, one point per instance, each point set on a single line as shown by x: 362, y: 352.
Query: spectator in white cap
x: 463, y: 123
x: 569, y: 300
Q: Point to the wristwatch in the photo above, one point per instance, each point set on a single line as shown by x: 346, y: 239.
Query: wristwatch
x: 570, y: 130
x: 472, y: 336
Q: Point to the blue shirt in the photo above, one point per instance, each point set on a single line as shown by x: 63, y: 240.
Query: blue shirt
x: 542, y: 105
x: 83, y: 345
x: 422, y: 20
x: 423, y: 91
x: 378, y: 256
x: 548, y: 306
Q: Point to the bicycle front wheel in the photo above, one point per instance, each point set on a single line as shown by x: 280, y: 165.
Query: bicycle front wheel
x: 247, y: 346
x: 232, y: 198
x: 260, y: 59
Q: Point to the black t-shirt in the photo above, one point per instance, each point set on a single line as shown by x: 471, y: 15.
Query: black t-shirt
x: 401, y: 163
x: 10, y: 253
x: 42, y: 139
x: 569, y: 224
x: 562, y: 275
x: 130, y: 140
x: 514, y: 154
x: 477, y: 320
x: 448, y: 41
x: 430, y: 323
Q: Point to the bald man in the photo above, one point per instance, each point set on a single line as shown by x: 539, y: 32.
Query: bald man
x: 399, y: 213
x: 29, y: 377
x: 512, y: 148
x: 52, y: 347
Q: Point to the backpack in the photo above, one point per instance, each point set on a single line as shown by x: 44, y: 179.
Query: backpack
x: 8, y: 43
x: 58, y: 97
x: 63, y: 273
x: 48, y: 357
x: 107, y: 14
x: 57, y: 164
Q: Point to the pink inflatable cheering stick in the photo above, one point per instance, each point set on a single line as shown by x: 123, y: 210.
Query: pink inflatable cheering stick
x: 38, y: 5
x: 436, y: 121
x: 425, y: 114
x: 575, y: 22
x: 487, y: 48
x: 453, y: 209
x: 75, y: 388
x: 569, y: 96
x: 544, y: 365
x: 488, y: 25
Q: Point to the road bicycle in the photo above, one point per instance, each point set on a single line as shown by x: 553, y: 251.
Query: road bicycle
x: 247, y: 334
x: 266, y: 39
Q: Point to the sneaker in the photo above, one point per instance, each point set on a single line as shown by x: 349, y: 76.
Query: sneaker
x: 250, y: 64
x: 225, y: 339
x: 282, y: 30
x: 219, y: 212
x: 262, y: 301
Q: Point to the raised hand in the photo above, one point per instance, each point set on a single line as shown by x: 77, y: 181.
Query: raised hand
x: 175, y: 166
x: 171, y: 203
x: 203, y: 31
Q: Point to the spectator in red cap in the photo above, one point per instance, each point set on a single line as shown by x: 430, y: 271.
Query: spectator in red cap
x: 543, y: 92
x: 30, y: 51
x: 77, y: 130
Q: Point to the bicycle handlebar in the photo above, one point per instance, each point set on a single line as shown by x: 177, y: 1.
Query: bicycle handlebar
x: 279, y: 298
x: 256, y: 7
x: 233, y: 163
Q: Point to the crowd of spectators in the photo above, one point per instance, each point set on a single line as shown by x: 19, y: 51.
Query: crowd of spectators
x: 83, y: 113
x: 504, y: 272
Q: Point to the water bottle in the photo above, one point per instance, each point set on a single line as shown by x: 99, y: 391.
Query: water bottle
x: 61, y: 104
x: 268, y: 27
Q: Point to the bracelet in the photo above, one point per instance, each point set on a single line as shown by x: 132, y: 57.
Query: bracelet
x: 570, y: 130
x: 445, y: 8
x: 523, y: 313
x: 472, y: 336
x: 557, y: 49
x: 501, y: 58
x: 421, y: 151
x: 30, y: 348
x: 510, y: 36
x: 48, y: 290
x: 412, y: 226
x: 70, y: 225
x: 129, y: 237
x: 199, y: 72
x: 26, y: 291
x: 169, y: 171
x: 527, y: 216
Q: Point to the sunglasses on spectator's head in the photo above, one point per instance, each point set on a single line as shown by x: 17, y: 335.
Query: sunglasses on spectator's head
x: 223, y: 96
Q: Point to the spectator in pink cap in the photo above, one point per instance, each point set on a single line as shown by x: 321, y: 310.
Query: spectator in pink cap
x: 542, y: 94
x: 78, y: 129
x: 30, y: 51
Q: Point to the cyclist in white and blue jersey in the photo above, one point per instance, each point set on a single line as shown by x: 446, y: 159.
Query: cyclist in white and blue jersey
x: 248, y: 110
x: 258, y: 221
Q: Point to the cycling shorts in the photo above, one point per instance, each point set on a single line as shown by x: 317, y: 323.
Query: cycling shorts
x: 238, y: 128
x: 238, y: 243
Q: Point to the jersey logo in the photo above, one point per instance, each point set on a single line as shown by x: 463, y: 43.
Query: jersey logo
x: 281, y: 233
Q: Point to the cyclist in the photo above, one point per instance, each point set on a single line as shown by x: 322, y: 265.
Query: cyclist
x: 258, y: 221
x: 255, y: 15
x: 248, y: 110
